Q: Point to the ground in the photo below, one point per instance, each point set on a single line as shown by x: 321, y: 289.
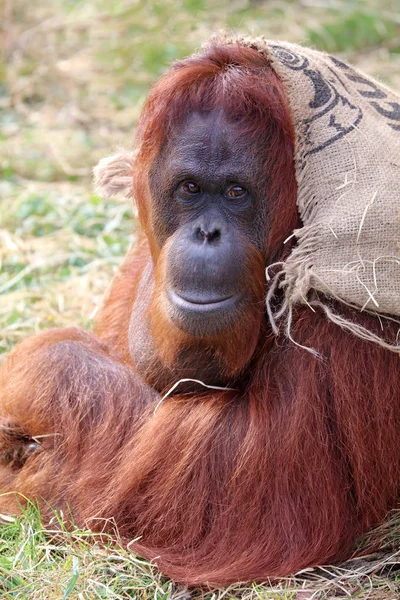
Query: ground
x: 73, y: 77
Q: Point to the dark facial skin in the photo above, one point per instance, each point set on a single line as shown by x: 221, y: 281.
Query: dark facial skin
x: 209, y: 206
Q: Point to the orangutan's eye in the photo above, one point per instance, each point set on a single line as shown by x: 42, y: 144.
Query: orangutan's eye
x: 190, y: 187
x: 236, y: 191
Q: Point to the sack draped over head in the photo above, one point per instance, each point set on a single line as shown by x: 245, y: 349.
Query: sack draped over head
x: 347, y: 161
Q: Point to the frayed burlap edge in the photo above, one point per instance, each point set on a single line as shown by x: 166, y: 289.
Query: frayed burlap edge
x: 113, y: 175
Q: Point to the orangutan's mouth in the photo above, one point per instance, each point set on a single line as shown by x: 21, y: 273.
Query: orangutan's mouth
x: 202, y: 304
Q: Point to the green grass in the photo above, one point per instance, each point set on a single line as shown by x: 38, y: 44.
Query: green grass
x: 38, y: 563
x: 73, y: 78
x: 54, y: 563
x: 356, y: 30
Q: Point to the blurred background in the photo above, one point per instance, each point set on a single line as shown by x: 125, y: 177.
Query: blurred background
x: 73, y: 78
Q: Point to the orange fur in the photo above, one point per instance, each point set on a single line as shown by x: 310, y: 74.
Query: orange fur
x: 282, y: 472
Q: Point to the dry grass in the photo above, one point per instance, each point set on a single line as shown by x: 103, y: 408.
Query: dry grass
x: 73, y: 77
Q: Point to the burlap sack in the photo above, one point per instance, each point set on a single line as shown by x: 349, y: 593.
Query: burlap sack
x: 347, y: 164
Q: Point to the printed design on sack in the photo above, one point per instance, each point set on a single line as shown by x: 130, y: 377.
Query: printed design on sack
x: 333, y: 111
x: 369, y: 89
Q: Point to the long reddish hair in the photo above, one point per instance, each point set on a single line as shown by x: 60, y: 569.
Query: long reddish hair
x: 282, y: 473
x: 287, y: 472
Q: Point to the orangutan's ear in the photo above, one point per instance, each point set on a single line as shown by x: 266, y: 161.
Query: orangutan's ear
x: 113, y: 175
